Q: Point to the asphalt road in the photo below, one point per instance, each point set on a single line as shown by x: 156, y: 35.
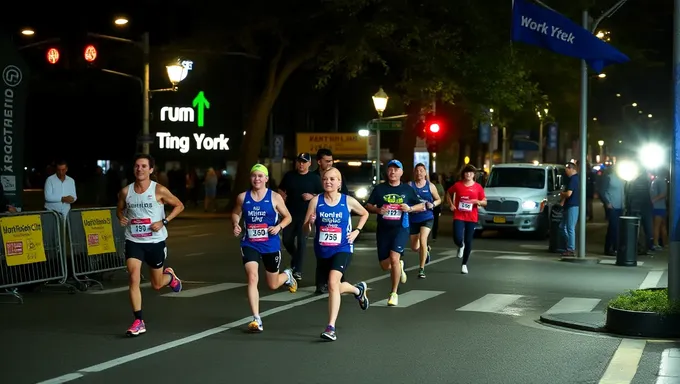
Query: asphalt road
x: 449, y: 328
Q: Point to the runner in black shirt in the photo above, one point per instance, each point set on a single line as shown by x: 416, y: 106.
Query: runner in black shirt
x: 298, y: 187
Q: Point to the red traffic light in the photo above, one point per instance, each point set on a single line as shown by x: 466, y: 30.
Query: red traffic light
x: 434, y: 128
x: 52, y: 55
x: 90, y: 53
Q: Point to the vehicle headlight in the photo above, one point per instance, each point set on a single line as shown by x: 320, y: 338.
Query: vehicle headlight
x: 529, y: 204
x: 361, y: 193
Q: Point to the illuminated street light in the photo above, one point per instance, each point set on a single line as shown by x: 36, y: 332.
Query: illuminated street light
x: 600, y: 142
x: 602, y: 75
x: 121, y: 21
x: 634, y: 104
x: 650, y: 115
x: 176, y: 73
x: 491, y: 110
x: 618, y: 95
x: 27, y: 32
x: 364, y: 132
x: 380, y: 101
x: 594, y: 118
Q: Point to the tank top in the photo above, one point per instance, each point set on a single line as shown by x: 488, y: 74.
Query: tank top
x: 333, y: 224
x: 425, y: 195
x: 258, y: 217
x: 143, y: 209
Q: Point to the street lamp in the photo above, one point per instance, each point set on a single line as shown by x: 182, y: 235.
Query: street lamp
x: 650, y: 115
x: 176, y: 73
x: 541, y: 118
x: 364, y: 132
x: 618, y: 95
x: 120, y: 21
x: 634, y: 104
x: 602, y: 75
x: 27, y: 32
x: 380, y: 101
x: 601, y: 144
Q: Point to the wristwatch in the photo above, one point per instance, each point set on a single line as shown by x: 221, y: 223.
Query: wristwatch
x: 165, y: 222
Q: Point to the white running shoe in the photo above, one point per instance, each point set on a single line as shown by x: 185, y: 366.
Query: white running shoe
x: 464, y: 270
x: 460, y: 251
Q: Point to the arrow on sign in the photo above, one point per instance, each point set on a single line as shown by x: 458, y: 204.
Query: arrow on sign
x: 201, y: 103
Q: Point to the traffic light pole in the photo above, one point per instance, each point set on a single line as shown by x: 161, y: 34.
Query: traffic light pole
x: 377, y: 140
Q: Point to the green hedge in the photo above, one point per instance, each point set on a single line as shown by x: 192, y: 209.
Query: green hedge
x: 645, y: 300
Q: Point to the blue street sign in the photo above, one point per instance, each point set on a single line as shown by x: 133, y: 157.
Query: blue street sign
x: 278, y: 147
x: 535, y: 25
x: 553, y: 134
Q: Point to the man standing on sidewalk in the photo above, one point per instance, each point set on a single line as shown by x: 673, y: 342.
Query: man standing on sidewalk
x: 612, y: 194
x: 60, y: 191
x: 570, y: 201
x: 298, y: 187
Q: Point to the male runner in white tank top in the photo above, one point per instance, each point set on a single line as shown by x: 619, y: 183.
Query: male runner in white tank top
x: 140, y: 211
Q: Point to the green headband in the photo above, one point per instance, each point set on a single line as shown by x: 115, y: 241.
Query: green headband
x: 260, y: 168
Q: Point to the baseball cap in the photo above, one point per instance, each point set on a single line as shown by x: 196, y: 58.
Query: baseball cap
x: 395, y: 163
x: 304, y: 157
x: 260, y: 168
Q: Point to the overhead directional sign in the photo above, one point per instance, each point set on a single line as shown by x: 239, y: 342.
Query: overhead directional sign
x: 201, y: 104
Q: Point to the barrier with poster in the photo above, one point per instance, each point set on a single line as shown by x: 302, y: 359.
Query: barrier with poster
x: 96, y: 243
x: 31, y: 251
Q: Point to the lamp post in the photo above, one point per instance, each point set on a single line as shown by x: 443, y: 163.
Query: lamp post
x: 380, y: 104
x: 601, y: 144
x: 541, y: 119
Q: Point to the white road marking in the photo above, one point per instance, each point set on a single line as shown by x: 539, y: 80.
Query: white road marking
x: 573, y: 305
x: 287, y: 296
x: 652, y: 280
x: 207, y: 333
x: 194, y: 254
x: 492, y: 302
x: 516, y: 257
x: 116, y: 290
x: 410, y: 298
x: 204, y: 290
x: 613, y: 262
x: 669, y: 368
x: 624, y: 363
x: 201, y: 235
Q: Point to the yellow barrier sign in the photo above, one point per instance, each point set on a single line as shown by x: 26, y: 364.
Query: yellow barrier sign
x: 98, y: 232
x: 341, y: 144
x: 22, y: 237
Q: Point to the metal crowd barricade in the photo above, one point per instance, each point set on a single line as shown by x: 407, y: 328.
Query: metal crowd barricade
x: 31, y: 251
x: 96, y: 243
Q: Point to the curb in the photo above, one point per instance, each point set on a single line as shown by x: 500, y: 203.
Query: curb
x: 553, y: 320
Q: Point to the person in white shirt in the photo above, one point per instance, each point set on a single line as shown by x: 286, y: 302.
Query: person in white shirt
x: 60, y: 191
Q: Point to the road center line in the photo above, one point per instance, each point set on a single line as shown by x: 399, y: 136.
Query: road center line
x: 652, y: 280
x: 624, y: 364
x: 210, y: 332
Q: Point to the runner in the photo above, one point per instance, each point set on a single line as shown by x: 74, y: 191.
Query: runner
x: 464, y: 197
x: 141, y: 212
x: 261, y: 240
x: 421, y: 222
x: 392, y: 201
x: 331, y: 213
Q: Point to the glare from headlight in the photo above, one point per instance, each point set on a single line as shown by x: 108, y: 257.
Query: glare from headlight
x: 361, y: 193
x: 627, y: 170
x: 529, y: 205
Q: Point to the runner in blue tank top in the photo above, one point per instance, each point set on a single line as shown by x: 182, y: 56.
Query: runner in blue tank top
x: 261, y: 208
x: 421, y: 222
x: 333, y: 242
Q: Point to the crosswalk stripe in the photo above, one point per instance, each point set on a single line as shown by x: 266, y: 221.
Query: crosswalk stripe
x: 492, y: 302
x: 410, y: 298
x: 287, y: 296
x: 516, y: 257
x: 573, y: 304
x: 204, y: 290
x: 613, y: 262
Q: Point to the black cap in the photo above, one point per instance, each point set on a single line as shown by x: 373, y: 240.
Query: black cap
x: 304, y: 157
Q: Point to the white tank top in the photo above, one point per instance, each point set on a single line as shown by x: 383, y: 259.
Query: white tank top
x: 143, y: 210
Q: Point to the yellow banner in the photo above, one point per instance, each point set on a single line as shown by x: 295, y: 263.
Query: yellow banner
x: 341, y: 144
x: 22, y: 237
x: 98, y: 232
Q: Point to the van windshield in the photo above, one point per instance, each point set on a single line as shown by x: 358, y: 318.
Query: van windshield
x: 517, y: 178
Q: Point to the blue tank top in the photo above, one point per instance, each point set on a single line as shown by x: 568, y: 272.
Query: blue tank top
x: 333, y: 224
x: 425, y: 195
x: 259, y: 216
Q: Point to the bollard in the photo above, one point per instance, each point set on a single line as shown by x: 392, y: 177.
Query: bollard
x: 629, y: 230
x: 555, y: 238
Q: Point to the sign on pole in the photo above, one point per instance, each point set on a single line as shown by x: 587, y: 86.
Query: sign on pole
x: 341, y: 144
x: 15, y: 78
x: 278, y: 148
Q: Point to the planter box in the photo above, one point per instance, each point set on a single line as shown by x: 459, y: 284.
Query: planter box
x: 642, y: 324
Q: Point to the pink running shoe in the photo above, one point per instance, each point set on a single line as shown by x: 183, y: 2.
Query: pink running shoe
x: 175, y: 283
x: 137, y: 328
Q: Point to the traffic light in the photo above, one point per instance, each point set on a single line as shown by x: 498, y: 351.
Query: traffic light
x: 90, y: 53
x: 434, y: 128
x: 53, y: 55
x: 434, y: 131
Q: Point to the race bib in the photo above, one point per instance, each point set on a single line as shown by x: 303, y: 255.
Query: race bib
x: 258, y: 232
x: 330, y: 236
x: 141, y: 227
x: 465, y: 207
x: 393, y: 212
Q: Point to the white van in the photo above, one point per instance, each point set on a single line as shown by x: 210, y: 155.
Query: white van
x: 519, y: 197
